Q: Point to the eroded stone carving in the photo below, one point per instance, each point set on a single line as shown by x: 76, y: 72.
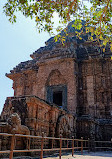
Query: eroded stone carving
x: 63, y: 127
x: 13, y: 126
x: 16, y: 127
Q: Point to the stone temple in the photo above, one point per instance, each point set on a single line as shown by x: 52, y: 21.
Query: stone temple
x: 64, y: 89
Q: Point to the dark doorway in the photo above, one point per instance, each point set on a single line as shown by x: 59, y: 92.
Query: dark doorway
x: 57, y: 95
x: 57, y: 98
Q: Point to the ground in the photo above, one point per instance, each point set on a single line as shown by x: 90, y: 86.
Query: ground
x: 86, y: 155
x: 91, y: 155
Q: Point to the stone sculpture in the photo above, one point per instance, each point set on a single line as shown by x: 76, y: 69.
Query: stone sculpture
x: 16, y: 127
x: 13, y: 126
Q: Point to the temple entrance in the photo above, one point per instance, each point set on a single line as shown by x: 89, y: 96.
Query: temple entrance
x: 57, y: 98
x: 57, y: 95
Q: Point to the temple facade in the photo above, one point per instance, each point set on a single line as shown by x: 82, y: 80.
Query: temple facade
x: 64, y: 89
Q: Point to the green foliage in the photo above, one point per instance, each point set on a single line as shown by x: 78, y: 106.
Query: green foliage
x: 98, y: 16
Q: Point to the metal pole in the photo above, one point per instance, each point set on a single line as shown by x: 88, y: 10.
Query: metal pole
x: 52, y: 143
x: 12, y: 147
x: 28, y: 140
x: 73, y: 146
x: 82, y: 146
x: 88, y: 145
x: 60, y: 146
x: 42, y: 145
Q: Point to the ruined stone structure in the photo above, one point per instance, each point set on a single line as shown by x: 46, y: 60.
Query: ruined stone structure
x: 64, y: 89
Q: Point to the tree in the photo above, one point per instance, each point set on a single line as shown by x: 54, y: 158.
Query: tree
x: 98, y: 16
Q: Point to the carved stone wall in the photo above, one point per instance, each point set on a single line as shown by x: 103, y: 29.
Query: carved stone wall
x: 24, y: 83
x: 94, y: 97
x: 51, y: 73
x: 61, y: 69
x: 37, y: 115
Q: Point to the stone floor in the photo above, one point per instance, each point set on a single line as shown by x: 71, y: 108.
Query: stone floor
x: 86, y: 155
x: 91, y: 155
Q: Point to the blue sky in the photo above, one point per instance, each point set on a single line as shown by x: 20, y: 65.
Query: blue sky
x: 17, y: 42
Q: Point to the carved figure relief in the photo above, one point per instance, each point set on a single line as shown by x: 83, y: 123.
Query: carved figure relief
x: 63, y: 127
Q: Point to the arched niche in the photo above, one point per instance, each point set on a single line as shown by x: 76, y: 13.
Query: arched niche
x: 55, y: 78
x: 56, y: 89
